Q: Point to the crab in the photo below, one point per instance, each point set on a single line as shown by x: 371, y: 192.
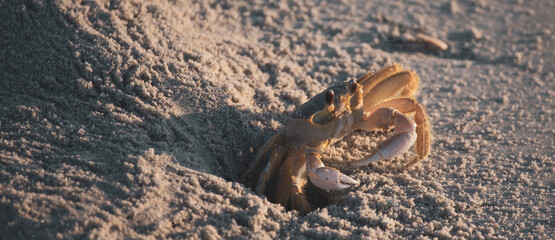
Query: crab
x: 373, y: 102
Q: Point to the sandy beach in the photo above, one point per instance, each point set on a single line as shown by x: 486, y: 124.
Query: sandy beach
x: 135, y: 119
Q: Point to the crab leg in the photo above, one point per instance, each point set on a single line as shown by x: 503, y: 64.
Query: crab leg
x: 403, y: 138
x: 392, y: 111
x: 276, y: 158
x: 255, y: 165
x: 410, y: 105
x: 404, y: 83
x: 370, y: 80
x: 283, y: 190
x: 298, y: 180
x: 326, y: 178
x: 292, y: 181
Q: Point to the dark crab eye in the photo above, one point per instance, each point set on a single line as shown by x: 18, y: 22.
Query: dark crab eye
x: 353, y: 87
x: 329, y: 97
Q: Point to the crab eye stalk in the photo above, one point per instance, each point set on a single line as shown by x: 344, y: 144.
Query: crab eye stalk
x: 353, y: 87
x: 329, y: 97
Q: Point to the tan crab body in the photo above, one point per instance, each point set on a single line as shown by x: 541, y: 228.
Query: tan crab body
x: 373, y: 102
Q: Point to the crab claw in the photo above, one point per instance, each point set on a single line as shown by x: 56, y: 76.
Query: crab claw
x: 326, y: 178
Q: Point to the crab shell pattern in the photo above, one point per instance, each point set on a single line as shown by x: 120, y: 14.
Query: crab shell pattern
x: 373, y: 102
